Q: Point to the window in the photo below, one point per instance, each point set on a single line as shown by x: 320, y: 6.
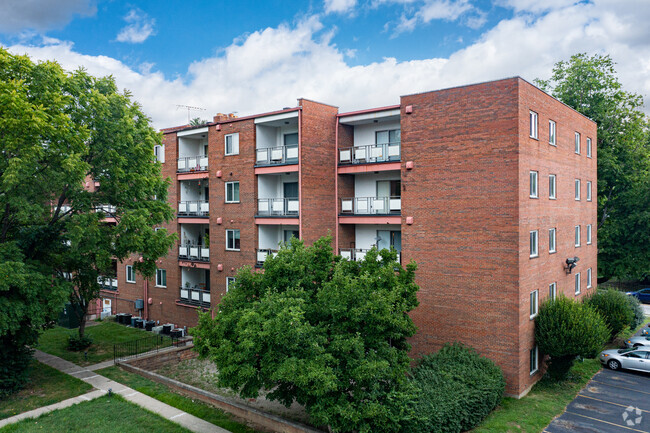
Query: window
x: 229, y: 282
x: 159, y: 153
x: 588, y: 147
x: 551, y: 240
x: 577, y: 240
x: 577, y: 188
x: 578, y: 283
x: 161, y: 278
x: 232, y: 144
x: 551, y: 187
x: 130, y: 274
x: 588, y: 190
x: 533, y: 184
x: 534, y: 235
x: 533, y: 125
x: 232, y: 192
x: 578, y: 143
x: 232, y: 240
x: 391, y: 136
x: 533, y: 360
x: 588, y: 234
x: 551, y: 133
x: 552, y: 291
x: 534, y: 300
x: 589, y: 278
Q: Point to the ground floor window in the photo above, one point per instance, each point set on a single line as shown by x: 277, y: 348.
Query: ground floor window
x: 161, y: 278
x: 533, y: 360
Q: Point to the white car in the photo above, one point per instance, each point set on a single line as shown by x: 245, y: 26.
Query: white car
x: 639, y: 341
x: 632, y: 359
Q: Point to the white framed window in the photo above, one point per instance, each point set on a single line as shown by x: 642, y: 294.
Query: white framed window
x: 159, y: 153
x: 533, y: 125
x: 588, y: 147
x: 534, y: 241
x: 533, y: 189
x: 551, y: 133
x: 232, y: 192
x: 577, y: 284
x: 588, y: 190
x: 577, y: 189
x: 161, y: 278
x: 588, y: 234
x: 232, y: 240
x: 534, y: 365
x: 229, y: 282
x: 130, y: 274
x: 577, y: 237
x: 232, y: 144
x: 577, y: 143
x: 552, y: 189
x: 534, y: 301
x: 589, y: 278
x: 552, y: 291
x: 551, y: 240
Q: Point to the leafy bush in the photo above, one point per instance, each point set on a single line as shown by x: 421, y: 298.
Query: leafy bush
x: 76, y: 343
x: 14, y: 361
x: 565, y: 329
x: 614, y: 308
x: 458, y: 389
x: 639, y: 316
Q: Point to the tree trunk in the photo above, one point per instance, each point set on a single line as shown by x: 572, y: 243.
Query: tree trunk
x: 82, y: 319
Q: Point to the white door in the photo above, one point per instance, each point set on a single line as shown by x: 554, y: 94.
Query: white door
x: 106, y: 305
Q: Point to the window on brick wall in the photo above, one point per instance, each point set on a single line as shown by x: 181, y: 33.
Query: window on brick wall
x: 130, y: 274
x: 551, y: 133
x: 229, y: 282
x: 588, y: 234
x: 577, y: 189
x: 533, y: 184
x: 159, y: 153
x: 232, y: 240
x: 551, y: 240
x: 534, y: 241
x: 232, y: 192
x: 589, y: 278
x: 588, y: 147
x: 232, y: 144
x: 552, y: 291
x: 552, y: 186
x: 577, y: 283
x: 533, y: 124
x: 534, y: 365
x: 577, y: 236
x: 577, y: 139
x: 161, y: 278
x: 588, y: 190
x: 534, y: 301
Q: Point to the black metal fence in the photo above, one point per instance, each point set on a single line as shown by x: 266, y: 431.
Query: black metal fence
x: 153, y: 343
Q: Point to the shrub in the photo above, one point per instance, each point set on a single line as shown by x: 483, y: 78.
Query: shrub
x: 76, y: 343
x: 639, y: 316
x: 565, y: 329
x: 458, y: 389
x: 15, y: 356
x: 614, y: 308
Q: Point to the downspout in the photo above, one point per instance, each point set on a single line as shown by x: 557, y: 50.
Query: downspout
x: 146, y: 298
x: 300, y: 172
x: 336, y: 187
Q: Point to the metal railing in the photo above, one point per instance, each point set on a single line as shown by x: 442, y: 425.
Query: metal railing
x: 192, y: 163
x: 151, y: 343
x: 262, y: 254
x: 106, y: 208
x: 358, y: 254
x: 107, y: 283
x: 194, y: 296
x: 193, y: 208
x: 370, y: 153
x: 194, y: 251
x: 277, y: 155
x: 278, y: 206
x: 371, y: 205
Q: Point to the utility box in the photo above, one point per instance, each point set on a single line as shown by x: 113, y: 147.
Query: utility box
x: 139, y: 304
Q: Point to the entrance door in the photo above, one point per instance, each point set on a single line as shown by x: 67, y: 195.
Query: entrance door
x: 106, y: 306
x: 290, y: 189
x: 291, y: 139
x: 288, y: 234
x: 389, y: 238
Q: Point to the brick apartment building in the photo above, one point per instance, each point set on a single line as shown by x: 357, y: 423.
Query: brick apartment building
x: 490, y: 188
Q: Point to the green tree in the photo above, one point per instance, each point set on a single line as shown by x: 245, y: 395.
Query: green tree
x: 614, y: 307
x: 590, y: 85
x: 197, y: 121
x: 327, y: 333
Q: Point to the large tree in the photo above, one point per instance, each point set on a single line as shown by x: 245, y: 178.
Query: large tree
x: 590, y: 85
x: 327, y: 333
x: 60, y: 131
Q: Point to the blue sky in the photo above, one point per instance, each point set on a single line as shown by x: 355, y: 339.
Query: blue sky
x: 251, y: 56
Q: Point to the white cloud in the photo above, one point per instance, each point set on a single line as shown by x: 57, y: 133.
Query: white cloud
x: 41, y: 15
x: 140, y: 27
x: 424, y: 11
x: 537, y: 6
x: 339, y: 6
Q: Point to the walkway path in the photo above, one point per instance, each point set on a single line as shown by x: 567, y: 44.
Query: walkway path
x: 103, y: 385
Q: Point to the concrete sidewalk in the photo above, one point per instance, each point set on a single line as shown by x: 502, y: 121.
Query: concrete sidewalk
x: 102, y: 385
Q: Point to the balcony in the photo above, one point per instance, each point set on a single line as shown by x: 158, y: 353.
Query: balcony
x: 370, y: 154
x: 371, y: 205
x: 107, y: 283
x: 188, y: 164
x: 194, y: 252
x: 287, y: 154
x: 262, y: 254
x: 196, y: 208
x: 195, y: 296
x: 278, y: 207
x: 358, y: 254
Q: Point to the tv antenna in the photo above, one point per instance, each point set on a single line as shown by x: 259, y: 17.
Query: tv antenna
x: 189, y: 108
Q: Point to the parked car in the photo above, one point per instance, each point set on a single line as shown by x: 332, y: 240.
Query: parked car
x: 641, y: 340
x: 642, y: 295
x: 632, y: 359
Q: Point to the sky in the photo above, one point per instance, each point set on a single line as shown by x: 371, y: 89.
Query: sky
x: 250, y: 57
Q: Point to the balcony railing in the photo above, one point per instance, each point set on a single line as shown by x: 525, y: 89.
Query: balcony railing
x: 195, y: 252
x: 277, y: 155
x: 107, y: 283
x: 278, y: 206
x: 194, y: 208
x: 370, y: 153
x: 358, y: 254
x: 106, y: 208
x: 192, y: 163
x: 194, y: 296
x: 371, y: 205
x: 262, y: 254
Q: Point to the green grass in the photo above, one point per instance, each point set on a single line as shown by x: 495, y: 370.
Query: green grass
x: 102, y: 415
x: 46, y: 386
x: 106, y: 333
x: 166, y: 395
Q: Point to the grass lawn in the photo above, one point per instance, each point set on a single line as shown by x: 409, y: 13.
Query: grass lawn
x: 102, y: 415
x: 55, y: 341
x: 46, y: 386
x: 165, y: 394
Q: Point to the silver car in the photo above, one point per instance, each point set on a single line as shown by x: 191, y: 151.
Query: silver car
x: 638, y: 341
x: 632, y: 359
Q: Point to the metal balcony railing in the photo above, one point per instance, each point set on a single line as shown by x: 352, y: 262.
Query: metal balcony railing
x: 371, y: 205
x: 195, y: 296
x: 193, y: 251
x: 106, y: 208
x: 277, y: 155
x: 277, y: 206
x: 262, y: 254
x: 107, y: 283
x: 370, y: 153
x: 358, y: 254
x: 192, y: 163
x: 194, y: 208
